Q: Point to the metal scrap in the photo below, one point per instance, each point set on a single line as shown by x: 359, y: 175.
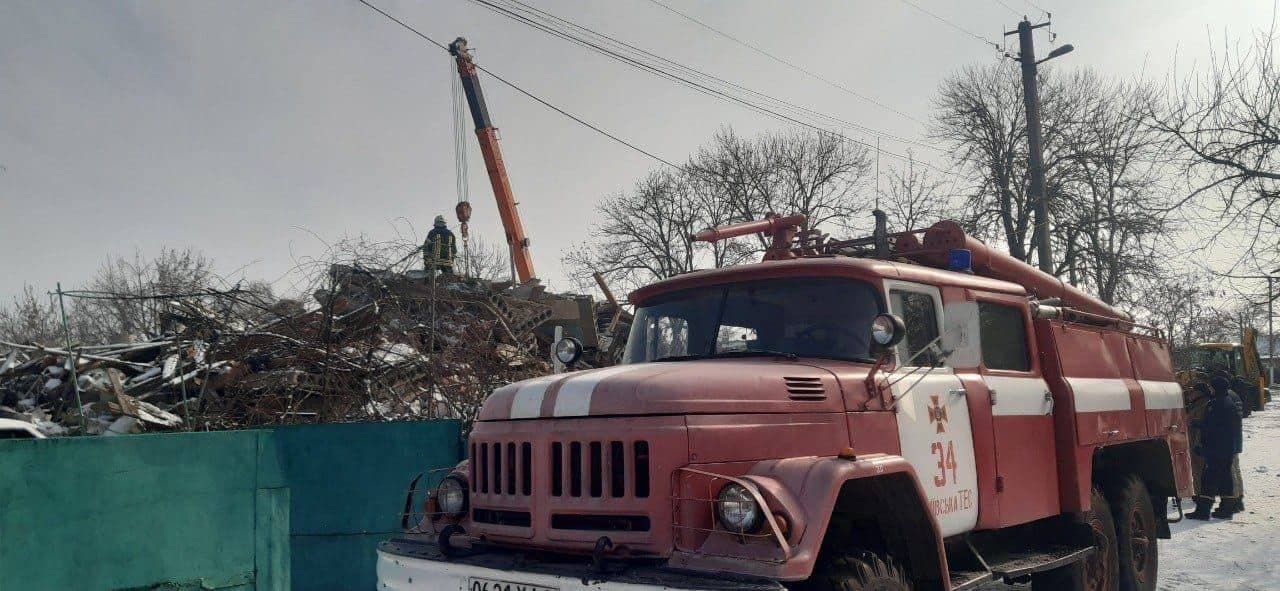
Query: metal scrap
x: 373, y: 345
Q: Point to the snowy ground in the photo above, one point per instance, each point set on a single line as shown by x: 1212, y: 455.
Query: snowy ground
x: 1238, y: 555
x: 1241, y: 554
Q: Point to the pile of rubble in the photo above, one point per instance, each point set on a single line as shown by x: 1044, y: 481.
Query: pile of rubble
x: 374, y: 345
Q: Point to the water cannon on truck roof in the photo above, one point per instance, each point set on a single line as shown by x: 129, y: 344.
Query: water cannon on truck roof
x: 910, y: 410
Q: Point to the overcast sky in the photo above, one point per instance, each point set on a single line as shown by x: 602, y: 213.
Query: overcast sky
x: 252, y: 131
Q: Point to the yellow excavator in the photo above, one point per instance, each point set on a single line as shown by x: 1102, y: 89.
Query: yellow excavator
x: 1240, y: 361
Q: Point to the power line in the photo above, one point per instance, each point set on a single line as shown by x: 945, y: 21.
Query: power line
x: 1010, y: 8
x: 784, y: 62
x: 639, y: 57
x: 513, y: 86
x: 695, y: 79
x: 948, y: 23
x: 576, y: 118
x: 1037, y: 7
x: 406, y: 26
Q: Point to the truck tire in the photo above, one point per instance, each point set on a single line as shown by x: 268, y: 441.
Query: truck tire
x: 1137, y: 545
x: 1101, y: 570
x: 858, y: 571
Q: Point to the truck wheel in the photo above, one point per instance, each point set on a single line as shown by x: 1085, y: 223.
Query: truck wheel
x: 1100, y: 571
x: 1136, y: 535
x: 858, y: 571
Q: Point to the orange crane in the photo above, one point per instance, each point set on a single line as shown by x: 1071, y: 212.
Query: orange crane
x: 517, y: 240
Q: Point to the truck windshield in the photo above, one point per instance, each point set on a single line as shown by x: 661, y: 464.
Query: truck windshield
x: 810, y: 317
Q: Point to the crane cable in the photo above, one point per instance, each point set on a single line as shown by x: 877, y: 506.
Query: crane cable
x: 461, y: 170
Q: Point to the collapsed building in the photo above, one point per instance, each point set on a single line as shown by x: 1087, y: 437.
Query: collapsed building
x: 373, y: 345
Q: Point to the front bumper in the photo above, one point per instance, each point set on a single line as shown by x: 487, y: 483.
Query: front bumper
x: 411, y: 565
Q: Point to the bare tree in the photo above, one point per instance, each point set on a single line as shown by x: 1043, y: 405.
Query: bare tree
x: 981, y: 119
x: 1226, y: 122
x: 131, y: 313
x: 1193, y: 308
x: 31, y: 319
x: 1104, y: 167
x: 820, y: 175
x: 715, y: 208
x: 738, y: 177
x: 913, y: 198
x: 644, y: 235
x: 1113, y: 210
x: 484, y: 261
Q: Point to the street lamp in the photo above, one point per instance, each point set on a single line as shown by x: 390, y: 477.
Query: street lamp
x: 1064, y: 50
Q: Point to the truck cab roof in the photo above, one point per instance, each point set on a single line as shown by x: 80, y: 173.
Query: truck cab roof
x: 828, y: 266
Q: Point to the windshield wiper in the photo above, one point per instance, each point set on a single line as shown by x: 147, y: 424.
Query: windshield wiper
x: 842, y: 358
x: 682, y: 357
x: 760, y: 353
x: 728, y: 354
x: 757, y: 352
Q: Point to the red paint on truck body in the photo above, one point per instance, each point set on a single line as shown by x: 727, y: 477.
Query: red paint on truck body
x: 590, y: 434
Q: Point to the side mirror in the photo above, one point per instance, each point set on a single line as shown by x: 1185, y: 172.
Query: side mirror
x: 568, y: 350
x: 887, y: 330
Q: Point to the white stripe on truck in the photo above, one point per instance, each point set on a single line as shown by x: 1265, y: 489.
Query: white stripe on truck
x: 574, y: 397
x: 1017, y: 396
x: 527, y: 402
x: 1161, y: 395
x: 1100, y: 394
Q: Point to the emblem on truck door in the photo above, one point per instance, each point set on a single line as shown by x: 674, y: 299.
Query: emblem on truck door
x: 937, y: 413
x: 937, y: 439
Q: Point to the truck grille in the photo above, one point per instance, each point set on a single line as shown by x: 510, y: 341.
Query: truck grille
x: 502, y: 468
x: 560, y: 485
x: 591, y: 469
x: 598, y: 469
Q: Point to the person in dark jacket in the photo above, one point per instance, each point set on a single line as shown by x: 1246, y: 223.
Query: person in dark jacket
x: 1221, y: 439
x: 1247, y: 392
x: 440, y: 248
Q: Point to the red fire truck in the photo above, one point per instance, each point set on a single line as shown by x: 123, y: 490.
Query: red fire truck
x: 906, y: 411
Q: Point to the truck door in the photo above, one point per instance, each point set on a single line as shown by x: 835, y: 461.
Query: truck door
x: 933, y: 418
x: 1022, y: 411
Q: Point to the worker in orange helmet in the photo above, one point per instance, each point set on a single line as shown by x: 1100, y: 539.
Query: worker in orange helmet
x: 440, y: 249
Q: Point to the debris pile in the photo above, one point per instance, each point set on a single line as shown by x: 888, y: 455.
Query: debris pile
x: 373, y: 345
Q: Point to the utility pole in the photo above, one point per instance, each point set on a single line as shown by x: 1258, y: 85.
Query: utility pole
x: 1271, y: 328
x: 1031, y: 101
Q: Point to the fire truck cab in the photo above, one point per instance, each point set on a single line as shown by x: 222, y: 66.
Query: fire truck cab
x: 924, y: 414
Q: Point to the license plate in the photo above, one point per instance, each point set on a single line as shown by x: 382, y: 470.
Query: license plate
x: 482, y: 584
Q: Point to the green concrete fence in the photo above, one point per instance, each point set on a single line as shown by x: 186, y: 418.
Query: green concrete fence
x: 294, y: 507
x: 347, y: 485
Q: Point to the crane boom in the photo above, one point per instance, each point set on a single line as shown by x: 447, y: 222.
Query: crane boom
x: 487, y: 134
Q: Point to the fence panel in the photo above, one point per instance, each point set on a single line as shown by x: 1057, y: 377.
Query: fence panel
x: 347, y: 483
x: 177, y: 510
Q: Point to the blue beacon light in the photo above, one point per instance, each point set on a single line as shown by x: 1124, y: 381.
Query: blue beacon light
x: 960, y: 260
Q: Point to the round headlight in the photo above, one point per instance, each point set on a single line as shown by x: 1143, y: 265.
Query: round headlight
x: 887, y: 330
x: 451, y: 495
x: 737, y: 509
x: 568, y: 350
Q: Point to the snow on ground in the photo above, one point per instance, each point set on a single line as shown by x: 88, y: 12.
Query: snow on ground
x: 1241, y: 554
